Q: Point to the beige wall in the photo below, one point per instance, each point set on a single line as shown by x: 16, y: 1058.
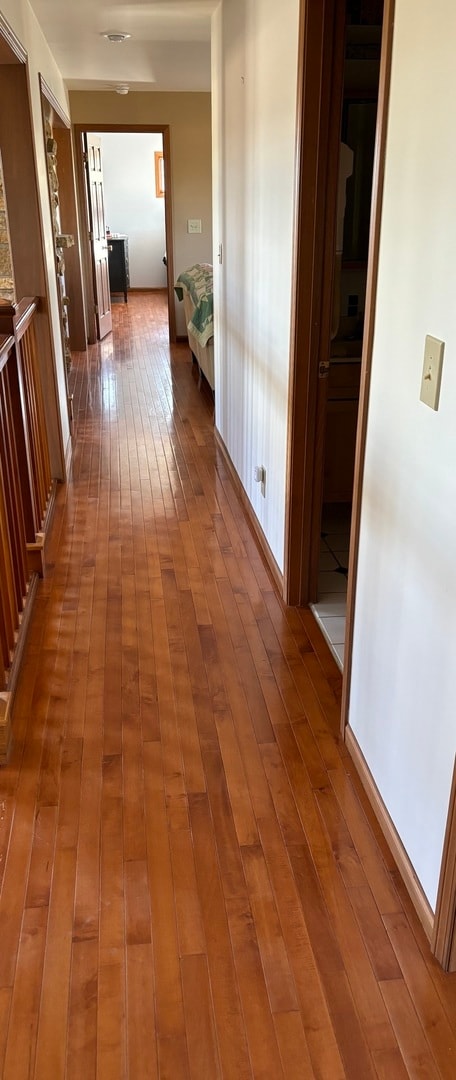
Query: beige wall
x: 189, y: 119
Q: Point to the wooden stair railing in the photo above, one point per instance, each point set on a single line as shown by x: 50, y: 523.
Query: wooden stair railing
x: 26, y: 490
x: 14, y: 573
x: 11, y: 506
x: 30, y: 426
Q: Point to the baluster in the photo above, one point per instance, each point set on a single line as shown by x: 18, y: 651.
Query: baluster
x: 12, y: 479
x: 9, y: 620
x: 34, y: 406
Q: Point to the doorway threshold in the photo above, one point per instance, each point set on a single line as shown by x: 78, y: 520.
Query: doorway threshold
x: 331, y: 607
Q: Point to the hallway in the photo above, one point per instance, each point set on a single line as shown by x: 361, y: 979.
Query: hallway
x: 192, y: 882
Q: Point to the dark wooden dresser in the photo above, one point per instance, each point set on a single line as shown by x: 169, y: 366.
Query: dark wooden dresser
x: 119, y: 276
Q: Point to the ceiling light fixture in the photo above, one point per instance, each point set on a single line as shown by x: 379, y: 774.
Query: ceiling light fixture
x: 122, y: 88
x: 115, y: 36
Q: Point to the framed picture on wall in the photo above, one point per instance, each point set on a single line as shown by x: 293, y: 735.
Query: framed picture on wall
x: 159, y: 174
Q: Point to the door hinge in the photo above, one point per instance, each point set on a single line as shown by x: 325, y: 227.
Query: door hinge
x: 323, y: 369
x: 95, y: 308
x: 90, y: 234
x: 85, y: 157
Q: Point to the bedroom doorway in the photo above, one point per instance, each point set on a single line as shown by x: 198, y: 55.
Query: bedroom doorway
x: 341, y: 384
x: 158, y: 177
x: 334, y: 38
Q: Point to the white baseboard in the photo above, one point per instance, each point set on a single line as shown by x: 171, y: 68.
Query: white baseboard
x: 411, y: 882
x: 268, y: 557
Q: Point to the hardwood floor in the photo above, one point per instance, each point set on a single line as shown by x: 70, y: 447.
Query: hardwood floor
x: 192, y: 883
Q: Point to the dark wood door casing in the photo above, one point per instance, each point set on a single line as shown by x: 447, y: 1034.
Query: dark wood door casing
x: 444, y: 937
x: 319, y: 113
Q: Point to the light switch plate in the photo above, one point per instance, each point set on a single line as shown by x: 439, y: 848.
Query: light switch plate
x: 432, y: 371
x: 193, y: 225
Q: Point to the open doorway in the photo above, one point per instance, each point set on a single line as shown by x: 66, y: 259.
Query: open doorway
x: 127, y: 223
x: 134, y: 202
x: 346, y: 56
x: 360, y: 86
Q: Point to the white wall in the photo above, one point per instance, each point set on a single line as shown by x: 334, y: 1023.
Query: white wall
x: 254, y: 118
x: 402, y: 692
x: 21, y: 18
x: 131, y: 204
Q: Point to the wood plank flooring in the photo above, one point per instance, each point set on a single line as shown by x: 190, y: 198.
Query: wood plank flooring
x: 192, y: 883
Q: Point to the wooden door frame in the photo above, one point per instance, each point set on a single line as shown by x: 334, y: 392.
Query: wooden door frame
x: 152, y: 129
x: 22, y: 189
x: 314, y: 249
x: 444, y: 935
x: 68, y: 208
x: 303, y: 502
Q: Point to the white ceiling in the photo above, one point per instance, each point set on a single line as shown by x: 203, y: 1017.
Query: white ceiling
x: 169, y: 47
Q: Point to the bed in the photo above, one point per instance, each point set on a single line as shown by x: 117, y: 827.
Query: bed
x: 195, y: 288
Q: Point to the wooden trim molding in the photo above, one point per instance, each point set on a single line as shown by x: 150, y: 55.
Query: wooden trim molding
x: 252, y: 519
x: 169, y: 232
x: 61, y: 127
x: 368, y: 342
x: 306, y: 296
x: 12, y: 42
x: 319, y: 111
x: 5, y: 726
x: 86, y: 262
x: 27, y: 234
x: 7, y: 697
x: 35, y: 550
x: 444, y: 936
x: 147, y: 129
x: 413, y: 886
x: 52, y: 101
x: 16, y: 318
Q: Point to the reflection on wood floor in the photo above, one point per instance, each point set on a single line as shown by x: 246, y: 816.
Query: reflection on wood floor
x: 192, y: 884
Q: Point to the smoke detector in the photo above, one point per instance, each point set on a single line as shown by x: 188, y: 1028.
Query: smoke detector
x: 115, y: 36
x: 122, y: 88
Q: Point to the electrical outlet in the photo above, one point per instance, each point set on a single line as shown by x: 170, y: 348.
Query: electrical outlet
x: 259, y: 475
x: 432, y: 371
